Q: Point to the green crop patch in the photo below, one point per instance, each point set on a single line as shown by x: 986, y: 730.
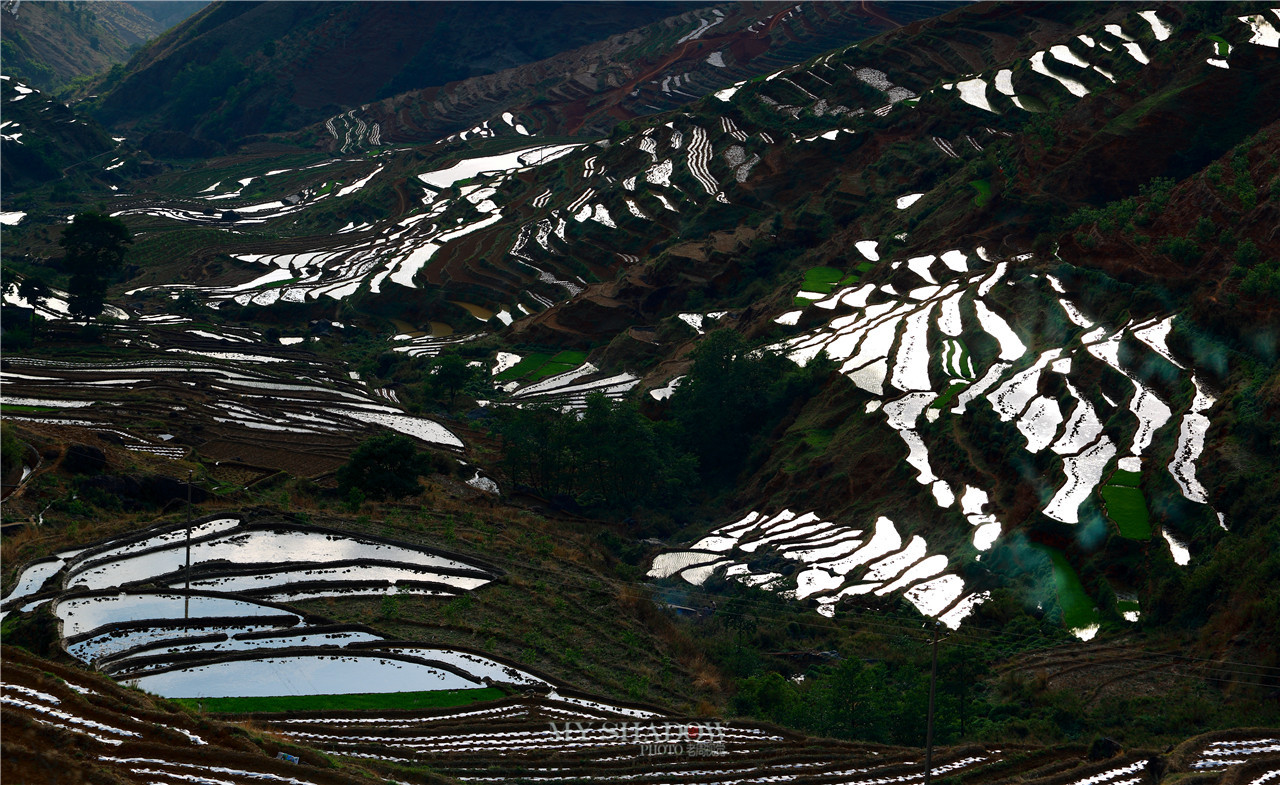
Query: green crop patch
x: 1127, y: 507
x: 821, y: 280
x: 361, y: 701
x: 278, y: 284
x: 527, y: 365
x: 550, y: 369
x: 864, y: 267
x: 571, y: 357
x: 943, y: 400
x: 1122, y: 477
x: 983, y: 187
x: 539, y: 366
x: 1078, y: 609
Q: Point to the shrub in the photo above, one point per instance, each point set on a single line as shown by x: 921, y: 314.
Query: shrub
x: 1247, y: 253
x: 385, y: 466
x: 1180, y: 249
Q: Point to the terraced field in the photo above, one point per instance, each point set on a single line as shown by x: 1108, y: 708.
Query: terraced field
x: 529, y: 224
x: 902, y: 351
x: 834, y: 210
x: 226, y: 392
x: 542, y: 738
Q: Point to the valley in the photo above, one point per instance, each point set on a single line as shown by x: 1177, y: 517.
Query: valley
x: 688, y: 381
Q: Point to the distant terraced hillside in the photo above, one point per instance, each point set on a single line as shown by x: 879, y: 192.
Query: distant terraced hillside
x: 238, y: 69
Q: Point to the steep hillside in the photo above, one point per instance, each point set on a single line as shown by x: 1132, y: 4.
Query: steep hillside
x: 733, y: 379
x: 653, y: 69
x: 242, y: 70
x: 238, y: 69
x: 50, y: 44
x: 43, y: 139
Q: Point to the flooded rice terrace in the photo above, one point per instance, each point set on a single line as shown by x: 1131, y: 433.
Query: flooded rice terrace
x: 230, y: 635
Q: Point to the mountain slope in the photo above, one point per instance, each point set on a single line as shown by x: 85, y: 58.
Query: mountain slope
x: 238, y: 69
x: 50, y: 44
x: 1026, y: 255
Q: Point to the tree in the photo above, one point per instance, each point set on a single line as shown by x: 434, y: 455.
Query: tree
x: 733, y: 395
x: 34, y: 290
x: 612, y: 456
x: 94, y: 245
x: 385, y: 466
x: 450, y: 373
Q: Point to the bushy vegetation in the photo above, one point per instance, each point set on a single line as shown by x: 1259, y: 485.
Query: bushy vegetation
x: 1124, y: 216
x: 10, y: 449
x: 612, y: 457
x: 721, y: 417
x: 94, y: 244
x: 733, y: 397
x: 386, y: 466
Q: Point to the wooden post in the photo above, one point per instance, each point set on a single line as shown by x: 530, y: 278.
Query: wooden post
x: 933, y: 681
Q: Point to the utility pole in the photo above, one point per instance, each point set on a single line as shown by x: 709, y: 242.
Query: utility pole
x: 186, y: 600
x: 933, y: 681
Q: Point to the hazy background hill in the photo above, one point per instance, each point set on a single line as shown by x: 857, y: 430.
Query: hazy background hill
x: 49, y: 44
x: 238, y: 69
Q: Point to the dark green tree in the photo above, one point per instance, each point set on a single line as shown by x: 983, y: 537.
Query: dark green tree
x: 94, y: 244
x: 612, y: 457
x: 450, y: 373
x: 626, y: 459
x: 34, y: 290
x: 733, y: 395
x: 385, y: 466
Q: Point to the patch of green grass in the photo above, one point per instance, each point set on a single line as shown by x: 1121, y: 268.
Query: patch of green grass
x: 551, y: 369
x: 571, y: 357
x: 17, y: 407
x: 1078, y: 609
x: 1128, y: 509
x: 278, y: 284
x: 983, y: 187
x: 433, y: 699
x: 802, y: 302
x: 1122, y: 477
x: 821, y: 280
x: 818, y: 438
x: 942, y: 401
x: 539, y: 366
x: 1223, y: 48
x: 864, y: 267
x: 527, y: 364
x: 1126, y: 605
x: 815, y: 441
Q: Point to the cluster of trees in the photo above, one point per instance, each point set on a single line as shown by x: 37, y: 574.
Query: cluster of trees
x: 611, y: 456
x: 94, y: 247
x: 720, y: 418
x: 878, y: 701
x: 387, y: 466
x: 425, y: 380
x: 1124, y: 215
